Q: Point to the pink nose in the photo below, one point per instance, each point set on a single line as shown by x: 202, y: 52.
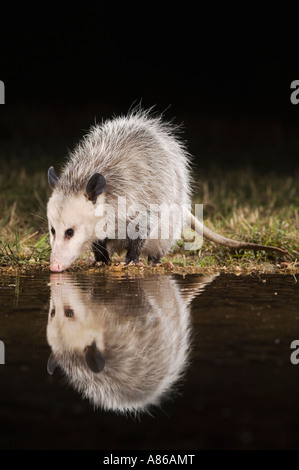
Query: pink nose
x: 56, y: 267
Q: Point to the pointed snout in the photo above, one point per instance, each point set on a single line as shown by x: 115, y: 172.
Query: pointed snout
x: 56, y: 267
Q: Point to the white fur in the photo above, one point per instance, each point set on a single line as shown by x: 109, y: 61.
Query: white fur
x: 141, y: 159
x: 144, y: 336
x: 76, y: 212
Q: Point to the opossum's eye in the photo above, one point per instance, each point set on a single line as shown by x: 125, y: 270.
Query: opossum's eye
x: 53, y: 231
x: 52, y: 312
x: 68, y: 312
x: 69, y: 233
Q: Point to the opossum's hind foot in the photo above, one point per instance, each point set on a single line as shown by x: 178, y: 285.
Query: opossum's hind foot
x: 133, y: 253
x: 154, y: 260
x: 100, y: 253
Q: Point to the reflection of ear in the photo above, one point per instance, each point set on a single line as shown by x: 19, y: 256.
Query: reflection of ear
x: 95, y: 186
x: 52, y: 364
x: 94, y: 358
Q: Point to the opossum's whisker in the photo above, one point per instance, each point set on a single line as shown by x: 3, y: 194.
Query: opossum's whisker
x: 25, y: 239
x: 98, y: 249
x: 41, y: 204
x: 39, y: 199
x: 43, y: 217
x: 59, y: 214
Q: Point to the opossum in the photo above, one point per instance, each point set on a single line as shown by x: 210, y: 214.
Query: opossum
x: 122, y: 352
x: 138, y: 157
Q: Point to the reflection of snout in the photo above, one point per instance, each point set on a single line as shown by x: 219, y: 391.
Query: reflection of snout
x: 56, y: 267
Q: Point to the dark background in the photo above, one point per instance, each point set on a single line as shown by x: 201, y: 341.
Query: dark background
x: 224, y: 72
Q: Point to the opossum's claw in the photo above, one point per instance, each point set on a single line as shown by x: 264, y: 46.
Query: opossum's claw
x: 102, y: 264
x: 132, y: 263
x: 139, y: 264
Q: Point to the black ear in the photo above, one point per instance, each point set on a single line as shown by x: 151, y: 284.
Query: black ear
x: 95, y: 186
x: 94, y: 358
x: 52, y: 177
x: 52, y: 364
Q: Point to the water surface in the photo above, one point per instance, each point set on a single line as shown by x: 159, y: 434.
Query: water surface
x: 156, y: 362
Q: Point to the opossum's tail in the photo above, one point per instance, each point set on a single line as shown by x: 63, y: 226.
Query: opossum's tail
x: 214, y: 237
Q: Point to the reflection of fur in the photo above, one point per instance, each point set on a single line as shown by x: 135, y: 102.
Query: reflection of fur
x: 140, y: 326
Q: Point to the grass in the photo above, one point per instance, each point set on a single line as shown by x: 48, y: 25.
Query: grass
x: 239, y: 204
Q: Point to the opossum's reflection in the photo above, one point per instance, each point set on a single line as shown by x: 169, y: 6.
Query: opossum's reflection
x: 122, y: 343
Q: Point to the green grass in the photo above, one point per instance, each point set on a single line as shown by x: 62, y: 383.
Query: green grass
x: 239, y: 204
x: 24, y: 239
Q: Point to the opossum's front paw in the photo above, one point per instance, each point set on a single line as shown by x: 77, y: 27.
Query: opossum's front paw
x: 101, y: 264
x: 131, y: 260
x: 132, y: 263
x: 140, y: 264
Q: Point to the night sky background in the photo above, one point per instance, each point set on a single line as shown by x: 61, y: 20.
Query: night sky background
x: 224, y: 72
